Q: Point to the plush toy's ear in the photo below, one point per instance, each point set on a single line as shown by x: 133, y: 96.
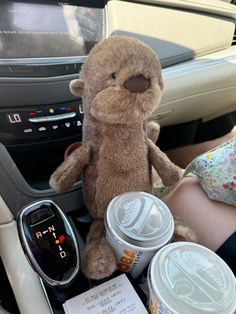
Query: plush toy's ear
x: 76, y: 87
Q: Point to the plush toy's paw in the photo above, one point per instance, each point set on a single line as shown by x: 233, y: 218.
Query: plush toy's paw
x: 177, y: 176
x: 98, y: 259
x: 77, y: 156
x: 64, y: 177
x: 153, y: 130
x: 183, y: 232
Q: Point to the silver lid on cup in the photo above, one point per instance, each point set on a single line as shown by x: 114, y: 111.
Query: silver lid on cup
x: 140, y: 219
x: 189, y: 278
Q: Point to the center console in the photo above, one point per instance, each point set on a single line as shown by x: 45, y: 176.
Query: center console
x: 43, y: 46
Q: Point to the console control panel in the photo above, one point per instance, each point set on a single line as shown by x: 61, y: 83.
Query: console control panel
x: 40, y: 123
x: 49, y: 242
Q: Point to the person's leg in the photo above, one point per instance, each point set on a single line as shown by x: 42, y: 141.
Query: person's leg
x: 182, y: 156
x: 214, y: 222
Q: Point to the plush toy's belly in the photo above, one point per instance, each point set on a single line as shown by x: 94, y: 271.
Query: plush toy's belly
x: 122, y: 166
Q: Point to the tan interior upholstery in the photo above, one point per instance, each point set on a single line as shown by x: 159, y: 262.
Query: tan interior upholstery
x: 176, y: 35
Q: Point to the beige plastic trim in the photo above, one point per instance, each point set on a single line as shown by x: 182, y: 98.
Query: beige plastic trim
x: 216, y: 7
x: 176, y: 35
x: 25, y: 283
x: 5, y: 214
x: 200, y: 89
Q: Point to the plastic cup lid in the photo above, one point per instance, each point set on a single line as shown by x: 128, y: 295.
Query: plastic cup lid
x: 141, y: 219
x: 190, y: 278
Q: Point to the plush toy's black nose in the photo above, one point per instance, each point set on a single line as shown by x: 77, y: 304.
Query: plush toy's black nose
x: 137, y: 84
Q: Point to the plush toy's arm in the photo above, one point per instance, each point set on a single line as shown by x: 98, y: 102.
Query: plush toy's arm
x: 153, y: 130
x: 168, y: 172
x: 67, y: 173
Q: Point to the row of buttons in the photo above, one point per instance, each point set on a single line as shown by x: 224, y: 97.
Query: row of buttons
x: 54, y: 127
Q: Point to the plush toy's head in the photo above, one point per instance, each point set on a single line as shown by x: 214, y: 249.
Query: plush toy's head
x: 120, y: 81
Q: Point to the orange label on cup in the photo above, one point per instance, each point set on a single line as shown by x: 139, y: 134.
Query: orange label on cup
x: 126, y: 260
x: 153, y: 305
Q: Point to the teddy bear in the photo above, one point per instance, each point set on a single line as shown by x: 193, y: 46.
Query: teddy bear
x: 120, y: 84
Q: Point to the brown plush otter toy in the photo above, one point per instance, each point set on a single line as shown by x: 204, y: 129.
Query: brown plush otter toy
x: 120, y: 84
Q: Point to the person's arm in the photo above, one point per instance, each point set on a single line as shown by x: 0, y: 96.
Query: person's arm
x: 212, y: 221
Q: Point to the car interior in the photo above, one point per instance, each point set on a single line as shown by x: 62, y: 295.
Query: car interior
x: 43, y: 45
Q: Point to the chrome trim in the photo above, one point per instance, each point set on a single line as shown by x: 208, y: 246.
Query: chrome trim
x: 53, y: 118
x: 43, y: 61
x: 30, y: 256
x: 30, y: 80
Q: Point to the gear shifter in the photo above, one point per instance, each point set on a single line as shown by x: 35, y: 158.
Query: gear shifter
x: 49, y: 242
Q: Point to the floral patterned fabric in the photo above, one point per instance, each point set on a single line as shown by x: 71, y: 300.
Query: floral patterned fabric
x: 216, y: 172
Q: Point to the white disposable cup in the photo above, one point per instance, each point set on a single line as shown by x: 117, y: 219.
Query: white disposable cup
x: 137, y: 224
x: 187, y: 278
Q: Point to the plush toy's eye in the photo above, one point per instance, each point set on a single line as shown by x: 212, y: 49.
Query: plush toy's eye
x: 113, y: 75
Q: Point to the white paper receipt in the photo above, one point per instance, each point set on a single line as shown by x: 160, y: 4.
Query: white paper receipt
x: 116, y: 296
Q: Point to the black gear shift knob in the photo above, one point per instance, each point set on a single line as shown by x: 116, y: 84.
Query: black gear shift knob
x: 49, y: 242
